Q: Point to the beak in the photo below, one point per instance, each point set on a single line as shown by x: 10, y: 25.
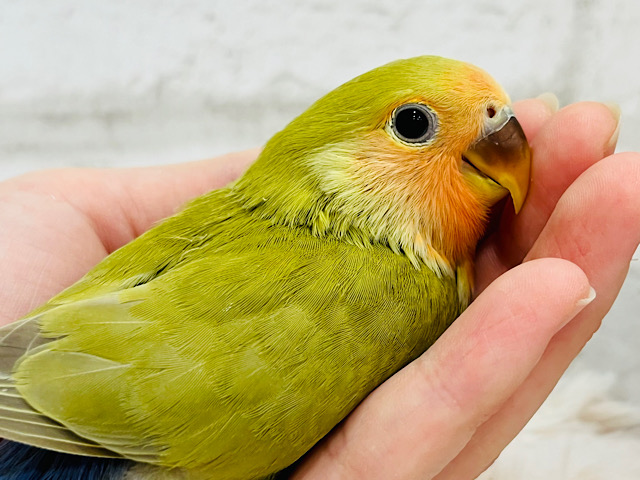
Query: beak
x: 500, y: 160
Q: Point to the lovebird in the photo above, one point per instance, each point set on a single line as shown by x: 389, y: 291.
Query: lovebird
x: 230, y: 338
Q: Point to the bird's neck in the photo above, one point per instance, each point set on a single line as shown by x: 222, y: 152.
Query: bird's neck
x: 320, y: 195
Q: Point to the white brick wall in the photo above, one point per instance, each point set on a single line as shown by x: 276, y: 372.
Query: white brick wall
x: 128, y: 83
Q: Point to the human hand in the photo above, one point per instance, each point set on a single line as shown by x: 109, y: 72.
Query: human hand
x: 454, y: 409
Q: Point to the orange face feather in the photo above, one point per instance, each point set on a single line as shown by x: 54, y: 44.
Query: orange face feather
x: 445, y: 216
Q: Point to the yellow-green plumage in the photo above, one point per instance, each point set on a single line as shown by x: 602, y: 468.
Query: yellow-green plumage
x: 286, y: 335
x: 229, y: 339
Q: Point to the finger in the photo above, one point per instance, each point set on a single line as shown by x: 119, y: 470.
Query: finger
x: 597, y: 226
x: 574, y: 139
x: 534, y: 113
x: 417, y: 421
x: 150, y: 194
x: 120, y: 204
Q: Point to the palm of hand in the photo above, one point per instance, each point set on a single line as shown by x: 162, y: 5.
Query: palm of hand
x: 496, y: 364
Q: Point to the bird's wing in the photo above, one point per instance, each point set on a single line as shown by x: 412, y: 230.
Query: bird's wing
x: 236, y: 351
x: 18, y: 420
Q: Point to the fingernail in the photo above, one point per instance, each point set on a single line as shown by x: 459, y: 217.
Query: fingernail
x: 616, y: 112
x: 550, y: 100
x: 583, y: 302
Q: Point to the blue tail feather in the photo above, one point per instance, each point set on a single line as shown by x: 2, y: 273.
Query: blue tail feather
x: 24, y: 462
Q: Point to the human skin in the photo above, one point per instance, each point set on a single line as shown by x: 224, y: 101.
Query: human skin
x: 450, y: 413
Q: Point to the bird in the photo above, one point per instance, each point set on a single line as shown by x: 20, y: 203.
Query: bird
x: 227, y: 340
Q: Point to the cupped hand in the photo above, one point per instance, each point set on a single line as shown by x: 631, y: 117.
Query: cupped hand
x: 450, y: 413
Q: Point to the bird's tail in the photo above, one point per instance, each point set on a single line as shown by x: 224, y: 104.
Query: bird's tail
x: 24, y: 462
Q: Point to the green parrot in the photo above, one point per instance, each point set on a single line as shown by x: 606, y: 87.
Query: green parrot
x: 227, y: 340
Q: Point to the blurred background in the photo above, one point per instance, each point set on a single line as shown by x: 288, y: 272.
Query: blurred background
x: 120, y: 83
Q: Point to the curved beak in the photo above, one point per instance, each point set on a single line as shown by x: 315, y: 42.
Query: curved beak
x: 500, y: 160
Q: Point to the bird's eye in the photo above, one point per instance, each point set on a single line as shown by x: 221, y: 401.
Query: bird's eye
x: 414, y: 123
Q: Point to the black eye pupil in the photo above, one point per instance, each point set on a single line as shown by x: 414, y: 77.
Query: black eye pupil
x: 412, y: 123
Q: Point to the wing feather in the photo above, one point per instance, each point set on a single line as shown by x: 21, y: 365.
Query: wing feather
x: 205, y: 362
x: 18, y: 420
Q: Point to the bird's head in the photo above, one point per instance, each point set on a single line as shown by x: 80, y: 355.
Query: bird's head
x: 412, y: 155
